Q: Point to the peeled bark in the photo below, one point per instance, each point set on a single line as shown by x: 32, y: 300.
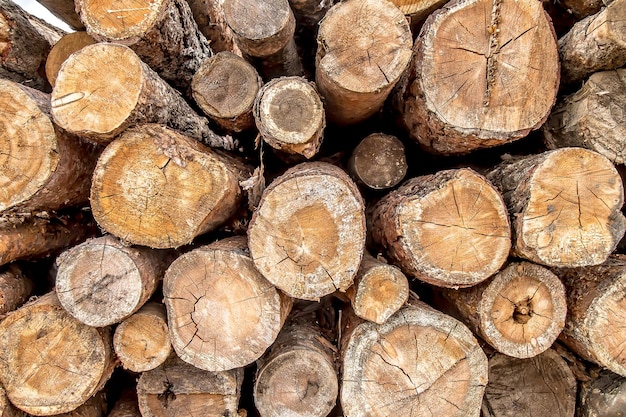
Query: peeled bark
x: 209, y: 15
x: 64, y: 10
x: 66, y: 46
x: 15, y: 288
x: 378, y: 161
x: 604, y: 396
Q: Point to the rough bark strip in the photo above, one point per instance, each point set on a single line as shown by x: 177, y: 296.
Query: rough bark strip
x: 209, y: 15
x: 15, y: 288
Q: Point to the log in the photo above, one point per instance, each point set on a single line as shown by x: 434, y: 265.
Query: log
x: 290, y: 117
x: 604, y: 396
x: 564, y: 206
x: 6, y: 408
x: 50, y: 363
x: 126, y: 406
x: 41, y: 167
x: 102, y: 282
x: 363, y: 48
x: 483, y: 74
x: 308, y: 14
x: 297, y: 377
x: 596, y: 43
x: 416, y: 11
x: 307, y: 236
x: 196, y: 188
x: 106, y: 73
x: 222, y: 313
x: 379, y: 290
x: 378, y: 162
x: 264, y: 32
x: 449, y: 229
x: 178, y: 389
x: 520, y: 311
x: 418, y: 362
x: 209, y: 15
x: 225, y: 87
x: 163, y: 33
x: 66, y: 46
x: 15, y: 288
x: 142, y: 341
x: 95, y: 406
x: 64, y: 10
x: 543, y: 386
x: 583, y: 8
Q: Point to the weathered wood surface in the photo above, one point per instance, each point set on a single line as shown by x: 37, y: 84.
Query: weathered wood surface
x: 61, y: 50
x: 15, y: 288
x: 378, y: 161
x: 64, y: 10
x: 603, y: 396
x: 209, y: 15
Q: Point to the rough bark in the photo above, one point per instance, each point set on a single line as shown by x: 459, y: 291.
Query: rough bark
x: 50, y: 362
x: 604, y: 396
x: 106, y: 73
x: 450, y: 229
x: 483, y: 73
x: 378, y: 162
x: 520, y: 311
x: 290, y: 116
x: 307, y: 236
x: 155, y: 187
x: 61, y: 50
x: 64, y: 10
x: 15, y: 288
x: 564, y: 206
x: 363, y: 48
x: 225, y: 87
x: 209, y: 15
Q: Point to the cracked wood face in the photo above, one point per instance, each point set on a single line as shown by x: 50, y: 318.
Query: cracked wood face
x: 66, y: 46
x: 121, y: 19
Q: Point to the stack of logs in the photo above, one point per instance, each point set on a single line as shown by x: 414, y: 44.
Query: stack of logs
x: 313, y: 208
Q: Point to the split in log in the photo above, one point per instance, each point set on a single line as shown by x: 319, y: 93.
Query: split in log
x: 155, y: 187
x: 99, y: 75
x: 564, y: 206
x: 15, y: 288
x: 378, y: 162
x: 483, y: 73
x: 64, y: 10
x: 177, y: 389
x: 520, y: 311
x: 6, y: 408
x: 222, y: 313
x: 61, y: 50
x: 264, y: 32
x: 163, y: 33
x: 50, y: 363
x: 604, y: 396
x: 595, y: 43
x: 379, y: 290
x: 290, y: 116
x: 101, y: 281
x: 225, y: 87
x: 209, y: 15
x: 142, y: 341
x: 126, y: 406
x: 307, y: 236
x: 363, y: 48
x: 418, y: 362
x: 41, y: 167
x: 450, y: 229
x: 543, y: 386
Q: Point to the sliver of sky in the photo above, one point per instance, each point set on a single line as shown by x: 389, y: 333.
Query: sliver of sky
x: 36, y: 9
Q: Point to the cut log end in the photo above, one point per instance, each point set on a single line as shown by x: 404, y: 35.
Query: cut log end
x: 66, y: 46
x: 379, y: 161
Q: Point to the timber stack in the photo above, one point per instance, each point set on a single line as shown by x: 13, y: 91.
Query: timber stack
x: 313, y: 208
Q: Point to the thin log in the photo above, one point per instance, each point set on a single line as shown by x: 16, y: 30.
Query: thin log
x: 64, y: 10
x: 603, y: 396
x: 209, y: 15
x: 66, y: 46
x: 378, y: 161
x: 15, y: 288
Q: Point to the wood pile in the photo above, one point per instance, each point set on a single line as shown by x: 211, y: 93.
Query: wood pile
x: 311, y: 208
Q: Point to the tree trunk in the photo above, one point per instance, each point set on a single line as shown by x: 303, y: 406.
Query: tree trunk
x: 209, y: 15
x: 66, y: 46
x: 222, y: 313
x: 225, y: 87
x: 520, y: 311
x: 126, y: 406
x: 64, y: 10
x: 264, y: 32
x: 483, y: 73
x: 307, y: 236
x: 15, y: 288
x: 417, y: 363
x: 378, y: 162
x: 450, y: 229
x: 6, y: 408
x: 379, y: 290
x: 595, y: 43
x: 363, y: 48
x: 604, y: 396
x: 107, y: 73
x: 155, y: 187
x: 51, y: 363
x: 564, y: 206
x: 177, y: 389
x: 290, y: 116
x: 163, y: 33
x: 543, y: 386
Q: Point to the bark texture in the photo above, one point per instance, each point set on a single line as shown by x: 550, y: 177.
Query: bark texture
x: 378, y: 161
x: 209, y: 15
x: 15, y: 288
x: 64, y: 10
x: 6, y: 408
x: 66, y: 46
x: 126, y: 406
x: 604, y: 396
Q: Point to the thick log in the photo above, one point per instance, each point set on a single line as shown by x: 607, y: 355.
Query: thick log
x: 604, y: 396
x: 222, y: 313
x: 543, y: 386
x: 379, y: 290
x: 225, y: 87
x: 6, y: 408
x: 155, y: 187
x: 378, y: 162
x: 66, y: 46
x: 102, y: 282
x: 520, y: 311
x: 418, y: 362
x: 101, y: 74
x: 290, y: 116
x: 564, y: 206
x: 50, y: 363
x: 209, y: 15
x: 64, y: 10
x: 15, y: 288
x: 126, y: 406
x: 142, y: 341
x: 595, y: 43
x: 483, y: 73
x: 450, y: 229
x: 307, y: 236
x: 363, y: 48
x: 177, y: 389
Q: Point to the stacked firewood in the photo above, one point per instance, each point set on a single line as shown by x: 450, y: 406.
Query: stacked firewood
x: 313, y: 208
